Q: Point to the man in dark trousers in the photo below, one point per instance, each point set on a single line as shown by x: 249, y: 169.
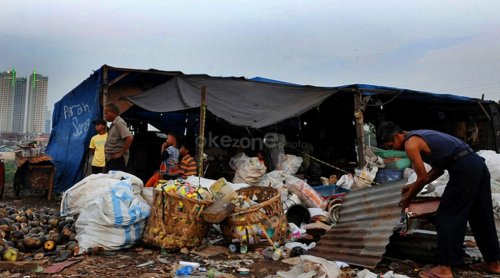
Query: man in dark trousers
x: 467, y: 196
x: 118, y: 141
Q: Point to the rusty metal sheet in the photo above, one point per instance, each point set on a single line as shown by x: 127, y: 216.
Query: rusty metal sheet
x: 32, y: 160
x: 368, y: 218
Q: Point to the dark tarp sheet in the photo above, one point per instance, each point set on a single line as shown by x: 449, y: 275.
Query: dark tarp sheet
x: 238, y: 101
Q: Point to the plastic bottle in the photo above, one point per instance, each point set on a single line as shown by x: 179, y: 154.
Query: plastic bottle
x: 185, y: 270
x: 243, y: 249
x: 233, y: 248
x: 277, y: 254
x: 268, y: 252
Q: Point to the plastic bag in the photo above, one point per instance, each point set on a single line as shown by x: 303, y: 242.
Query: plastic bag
x: 276, y: 180
x: 288, y: 163
x: 248, y: 170
x: 346, y: 181
x: 305, y: 192
x: 364, y: 177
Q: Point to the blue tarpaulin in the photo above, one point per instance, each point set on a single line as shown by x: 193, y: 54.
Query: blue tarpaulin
x: 72, y: 129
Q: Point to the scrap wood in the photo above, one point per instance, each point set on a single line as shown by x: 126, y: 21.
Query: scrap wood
x: 6, y: 265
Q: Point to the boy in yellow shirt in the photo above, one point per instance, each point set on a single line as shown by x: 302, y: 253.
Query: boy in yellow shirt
x: 97, y: 146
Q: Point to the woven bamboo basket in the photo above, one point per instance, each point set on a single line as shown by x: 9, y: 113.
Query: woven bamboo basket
x: 261, y: 224
x: 175, y: 221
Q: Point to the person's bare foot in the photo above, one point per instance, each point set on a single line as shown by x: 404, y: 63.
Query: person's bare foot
x: 491, y: 267
x: 440, y: 271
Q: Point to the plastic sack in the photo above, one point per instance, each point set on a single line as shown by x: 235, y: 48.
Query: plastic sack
x: 147, y: 195
x: 248, y: 170
x: 276, y: 180
x: 492, y: 160
x: 288, y: 163
x: 93, y: 187
x: 364, y: 177
x: 114, y: 220
x: 305, y: 192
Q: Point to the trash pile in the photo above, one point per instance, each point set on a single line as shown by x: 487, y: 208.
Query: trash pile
x: 274, y: 216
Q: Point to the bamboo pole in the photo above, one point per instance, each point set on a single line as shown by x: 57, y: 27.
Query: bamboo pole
x: 360, y: 136
x: 201, y: 135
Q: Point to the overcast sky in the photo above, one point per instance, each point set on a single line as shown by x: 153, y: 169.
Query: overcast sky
x: 445, y: 46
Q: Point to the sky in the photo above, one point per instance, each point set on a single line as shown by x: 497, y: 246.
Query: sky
x: 446, y: 46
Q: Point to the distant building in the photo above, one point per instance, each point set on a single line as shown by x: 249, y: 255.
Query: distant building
x: 7, y: 84
x: 19, y: 112
x: 48, y: 121
x: 37, y: 103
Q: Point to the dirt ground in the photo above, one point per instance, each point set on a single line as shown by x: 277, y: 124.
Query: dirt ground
x: 143, y: 261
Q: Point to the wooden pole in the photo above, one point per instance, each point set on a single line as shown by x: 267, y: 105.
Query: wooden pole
x: 360, y: 135
x: 104, y: 87
x: 201, y: 135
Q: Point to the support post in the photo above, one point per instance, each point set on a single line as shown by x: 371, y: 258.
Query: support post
x: 104, y: 89
x: 201, y: 135
x: 360, y: 134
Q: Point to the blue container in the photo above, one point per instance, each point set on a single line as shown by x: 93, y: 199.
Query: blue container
x: 329, y: 190
x: 388, y: 175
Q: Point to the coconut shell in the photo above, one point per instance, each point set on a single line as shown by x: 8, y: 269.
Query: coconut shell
x: 49, y: 245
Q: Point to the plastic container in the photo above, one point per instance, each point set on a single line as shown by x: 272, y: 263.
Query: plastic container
x: 388, y: 175
x: 389, y: 153
x: 397, y: 163
x: 329, y: 190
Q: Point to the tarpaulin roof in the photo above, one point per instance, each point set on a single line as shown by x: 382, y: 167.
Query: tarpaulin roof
x: 258, y: 102
x: 238, y: 101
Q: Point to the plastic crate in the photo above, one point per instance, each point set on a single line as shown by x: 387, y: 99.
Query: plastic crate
x: 330, y: 190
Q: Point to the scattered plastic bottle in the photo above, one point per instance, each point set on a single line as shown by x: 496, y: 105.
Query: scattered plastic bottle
x: 233, y: 248
x: 243, y: 249
x: 268, y: 252
x: 278, y: 253
x: 185, y: 270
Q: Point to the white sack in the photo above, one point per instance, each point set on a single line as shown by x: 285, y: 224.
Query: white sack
x: 248, y: 170
x: 276, y: 179
x: 110, y: 237
x: 93, y: 187
x: 288, y: 163
x: 112, y: 213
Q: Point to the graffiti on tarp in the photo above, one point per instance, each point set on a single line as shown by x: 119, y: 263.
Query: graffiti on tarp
x: 80, y: 128
x: 73, y: 112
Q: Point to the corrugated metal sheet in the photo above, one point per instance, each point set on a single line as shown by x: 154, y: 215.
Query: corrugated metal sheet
x: 368, y: 218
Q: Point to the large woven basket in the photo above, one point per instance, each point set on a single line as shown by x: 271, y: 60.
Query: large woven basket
x: 175, y: 221
x: 261, y: 224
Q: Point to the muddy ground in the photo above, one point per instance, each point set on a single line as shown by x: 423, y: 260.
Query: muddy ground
x: 146, y: 261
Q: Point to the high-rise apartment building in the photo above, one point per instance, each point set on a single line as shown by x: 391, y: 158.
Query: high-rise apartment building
x: 37, y: 103
x: 7, y: 85
x: 48, y: 121
x: 19, y: 113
